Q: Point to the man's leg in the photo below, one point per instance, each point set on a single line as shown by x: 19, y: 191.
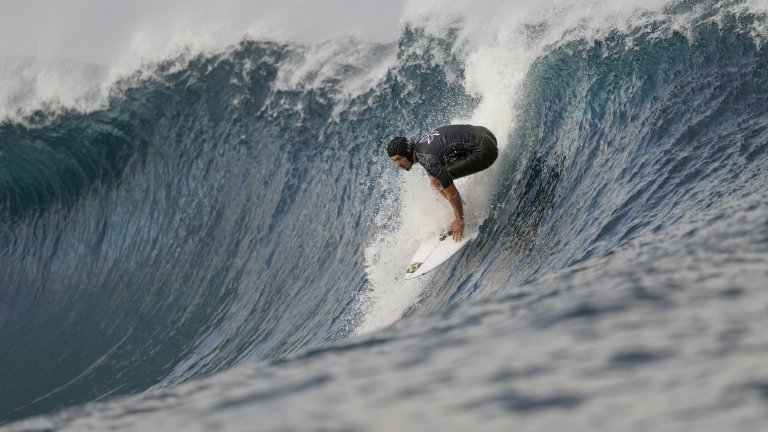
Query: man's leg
x: 486, y: 152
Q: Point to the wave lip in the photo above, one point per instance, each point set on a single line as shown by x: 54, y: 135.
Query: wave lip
x: 30, y: 86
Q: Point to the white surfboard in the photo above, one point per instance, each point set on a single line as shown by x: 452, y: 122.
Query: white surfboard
x: 432, y: 253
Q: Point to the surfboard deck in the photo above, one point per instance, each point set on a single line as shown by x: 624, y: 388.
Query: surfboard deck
x: 432, y: 253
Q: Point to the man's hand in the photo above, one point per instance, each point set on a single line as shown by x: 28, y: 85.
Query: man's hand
x: 458, y: 229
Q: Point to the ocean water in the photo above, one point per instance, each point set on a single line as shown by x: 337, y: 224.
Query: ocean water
x: 216, y: 241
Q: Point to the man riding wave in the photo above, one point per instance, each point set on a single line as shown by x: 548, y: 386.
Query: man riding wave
x: 448, y: 153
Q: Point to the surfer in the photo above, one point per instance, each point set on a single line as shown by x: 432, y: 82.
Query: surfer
x: 448, y: 153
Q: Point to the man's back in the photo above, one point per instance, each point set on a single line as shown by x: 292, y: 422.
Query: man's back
x: 443, y: 146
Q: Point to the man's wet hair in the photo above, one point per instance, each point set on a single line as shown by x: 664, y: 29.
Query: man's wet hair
x: 402, y: 147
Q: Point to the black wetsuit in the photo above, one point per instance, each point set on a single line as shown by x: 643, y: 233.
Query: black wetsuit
x: 451, y: 152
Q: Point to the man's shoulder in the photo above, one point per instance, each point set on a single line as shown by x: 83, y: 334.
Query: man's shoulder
x: 430, y: 136
x: 441, y: 132
x: 455, y: 129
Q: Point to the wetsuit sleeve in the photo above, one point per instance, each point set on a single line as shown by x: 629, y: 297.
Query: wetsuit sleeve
x: 444, y: 178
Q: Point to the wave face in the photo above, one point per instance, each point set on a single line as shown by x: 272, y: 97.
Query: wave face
x: 237, y: 209
x: 210, y: 215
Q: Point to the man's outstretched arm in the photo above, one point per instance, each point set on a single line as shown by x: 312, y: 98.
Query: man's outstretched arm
x: 453, y: 197
x: 437, y: 186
